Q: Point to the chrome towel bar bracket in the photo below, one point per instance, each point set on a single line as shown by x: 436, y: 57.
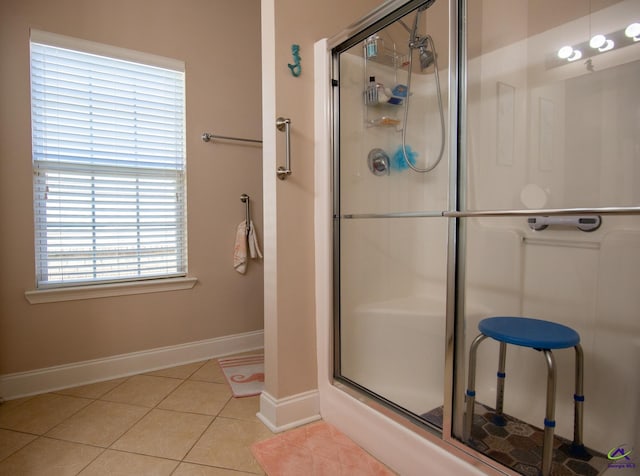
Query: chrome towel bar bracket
x: 244, y: 198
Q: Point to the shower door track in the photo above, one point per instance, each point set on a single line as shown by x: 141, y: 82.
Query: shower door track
x: 498, y: 213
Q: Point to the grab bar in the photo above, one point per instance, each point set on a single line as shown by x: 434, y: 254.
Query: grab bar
x: 283, y: 124
x: 582, y: 223
x: 244, y: 198
x: 498, y: 213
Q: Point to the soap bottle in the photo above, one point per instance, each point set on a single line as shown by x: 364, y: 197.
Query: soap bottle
x: 371, y: 46
x: 384, y: 94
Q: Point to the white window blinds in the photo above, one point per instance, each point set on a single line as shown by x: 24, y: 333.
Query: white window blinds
x: 109, y: 167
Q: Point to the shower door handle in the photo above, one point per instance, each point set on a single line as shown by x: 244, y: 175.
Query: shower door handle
x: 284, y: 125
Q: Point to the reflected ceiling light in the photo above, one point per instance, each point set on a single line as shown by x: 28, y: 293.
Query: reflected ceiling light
x: 633, y: 31
x: 601, y: 43
x: 577, y: 54
x: 609, y: 46
x: 597, y: 41
x: 565, y: 52
x: 597, y: 44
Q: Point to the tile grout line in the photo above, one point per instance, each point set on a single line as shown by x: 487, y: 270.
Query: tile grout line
x: 215, y: 417
x: 100, y: 398
x: 157, y: 407
x: 110, y: 446
x: 93, y: 400
x: 69, y: 416
x: 15, y: 451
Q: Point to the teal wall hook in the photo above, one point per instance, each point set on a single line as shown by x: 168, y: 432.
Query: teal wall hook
x: 295, y: 68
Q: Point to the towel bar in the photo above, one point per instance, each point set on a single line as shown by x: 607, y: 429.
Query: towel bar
x: 207, y: 137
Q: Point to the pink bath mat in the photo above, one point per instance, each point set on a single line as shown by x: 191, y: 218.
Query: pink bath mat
x: 318, y: 449
x: 245, y: 374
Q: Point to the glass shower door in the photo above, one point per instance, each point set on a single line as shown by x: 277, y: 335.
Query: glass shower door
x: 551, y: 141
x: 391, y: 239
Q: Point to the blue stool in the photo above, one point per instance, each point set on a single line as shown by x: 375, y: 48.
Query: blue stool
x: 542, y: 336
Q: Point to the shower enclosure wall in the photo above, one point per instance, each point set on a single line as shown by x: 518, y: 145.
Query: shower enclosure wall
x: 420, y: 258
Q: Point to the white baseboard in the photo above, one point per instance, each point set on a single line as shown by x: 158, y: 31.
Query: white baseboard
x: 33, y: 382
x: 286, y: 413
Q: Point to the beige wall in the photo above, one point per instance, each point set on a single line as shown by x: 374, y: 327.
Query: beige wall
x: 289, y: 268
x: 219, y: 40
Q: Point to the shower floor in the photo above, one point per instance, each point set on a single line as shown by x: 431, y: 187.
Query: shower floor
x: 518, y: 445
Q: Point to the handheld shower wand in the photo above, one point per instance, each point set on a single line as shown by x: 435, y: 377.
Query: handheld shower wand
x: 427, y: 58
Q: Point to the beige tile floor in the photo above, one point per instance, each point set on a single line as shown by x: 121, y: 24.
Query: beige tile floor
x: 180, y: 421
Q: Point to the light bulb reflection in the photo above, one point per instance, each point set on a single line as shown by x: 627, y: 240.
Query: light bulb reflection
x: 608, y: 46
x: 601, y: 43
x: 577, y: 54
x: 565, y: 52
x: 633, y: 31
x: 597, y: 41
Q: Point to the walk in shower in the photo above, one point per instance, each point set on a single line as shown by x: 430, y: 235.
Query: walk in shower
x: 486, y: 162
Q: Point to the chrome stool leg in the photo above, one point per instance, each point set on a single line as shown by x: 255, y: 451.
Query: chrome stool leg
x: 543, y: 336
x: 498, y: 418
x: 471, y: 388
x: 577, y: 448
x: 549, y: 421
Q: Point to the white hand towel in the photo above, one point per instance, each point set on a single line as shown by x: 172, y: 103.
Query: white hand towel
x: 240, y: 248
x: 254, y: 248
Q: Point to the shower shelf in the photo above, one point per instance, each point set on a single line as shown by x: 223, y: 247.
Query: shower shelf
x: 385, y: 63
x: 383, y: 105
x: 383, y: 121
x: 389, y: 57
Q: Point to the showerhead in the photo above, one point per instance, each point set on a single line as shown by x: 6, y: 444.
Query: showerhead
x: 426, y: 57
x: 419, y: 43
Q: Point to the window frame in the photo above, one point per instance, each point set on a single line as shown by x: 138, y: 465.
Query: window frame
x: 47, y: 292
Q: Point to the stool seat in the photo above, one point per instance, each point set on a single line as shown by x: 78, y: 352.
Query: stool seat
x: 528, y: 332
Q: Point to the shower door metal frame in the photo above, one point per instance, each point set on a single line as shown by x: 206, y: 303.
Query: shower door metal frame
x: 383, y: 16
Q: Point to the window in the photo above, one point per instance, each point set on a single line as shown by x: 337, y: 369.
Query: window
x: 109, y: 163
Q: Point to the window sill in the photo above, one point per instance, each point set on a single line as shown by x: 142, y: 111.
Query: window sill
x: 40, y: 296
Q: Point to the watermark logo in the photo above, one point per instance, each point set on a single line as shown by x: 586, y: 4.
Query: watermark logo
x: 620, y: 457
